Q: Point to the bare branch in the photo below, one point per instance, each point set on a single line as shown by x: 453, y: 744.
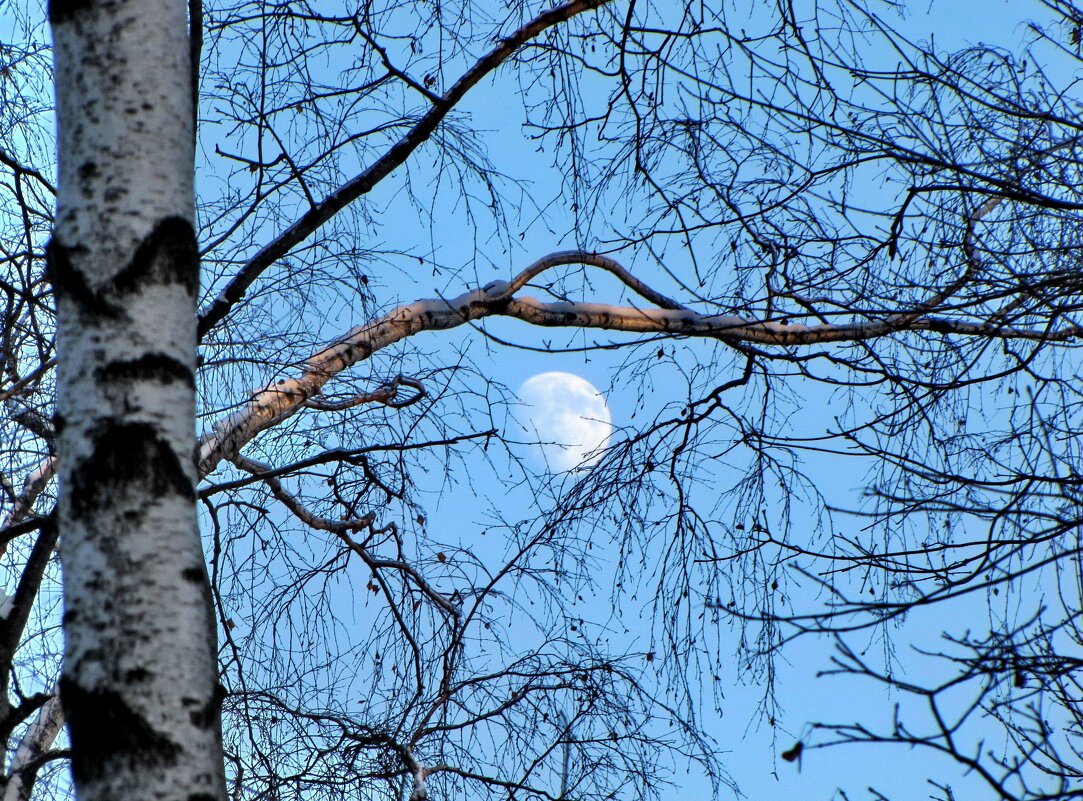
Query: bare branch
x: 399, y: 152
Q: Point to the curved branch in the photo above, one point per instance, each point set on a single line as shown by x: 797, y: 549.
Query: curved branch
x: 566, y: 257
x: 386, y: 395
x: 280, y: 400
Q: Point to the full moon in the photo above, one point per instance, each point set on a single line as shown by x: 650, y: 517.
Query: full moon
x: 569, y: 418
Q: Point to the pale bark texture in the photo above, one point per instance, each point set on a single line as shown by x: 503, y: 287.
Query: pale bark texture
x: 37, y: 739
x: 139, y: 687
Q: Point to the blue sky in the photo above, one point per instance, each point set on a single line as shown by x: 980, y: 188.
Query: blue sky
x: 471, y: 255
x: 753, y: 746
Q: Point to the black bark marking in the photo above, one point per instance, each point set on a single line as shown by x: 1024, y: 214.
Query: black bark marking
x: 202, y: 797
x: 194, y: 575
x: 168, y: 255
x: 207, y: 717
x: 151, y: 367
x: 129, y: 462
x: 70, y: 283
x: 107, y: 734
x: 63, y: 10
x: 136, y: 676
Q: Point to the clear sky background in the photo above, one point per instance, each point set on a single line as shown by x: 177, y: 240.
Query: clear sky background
x: 753, y: 745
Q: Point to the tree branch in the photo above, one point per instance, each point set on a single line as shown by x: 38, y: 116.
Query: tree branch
x: 399, y: 152
x: 28, y: 754
x: 342, y: 529
x: 282, y: 399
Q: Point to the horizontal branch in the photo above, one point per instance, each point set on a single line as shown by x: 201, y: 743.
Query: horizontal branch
x: 278, y: 401
x: 742, y: 329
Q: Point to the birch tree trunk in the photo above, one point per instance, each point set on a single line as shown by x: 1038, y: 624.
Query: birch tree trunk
x: 139, y: 687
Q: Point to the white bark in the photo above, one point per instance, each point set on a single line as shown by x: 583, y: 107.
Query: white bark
x: 139, y: 688
x: 34, y: 743
x: 33, y: 485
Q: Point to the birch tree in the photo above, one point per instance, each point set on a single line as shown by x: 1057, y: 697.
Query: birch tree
x: 800, y: 239
x: 139, y: 688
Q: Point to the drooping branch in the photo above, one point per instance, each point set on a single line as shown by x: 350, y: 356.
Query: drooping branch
x: 342, y: 529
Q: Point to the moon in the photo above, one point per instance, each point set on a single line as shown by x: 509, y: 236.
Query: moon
x: 568, y: 416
